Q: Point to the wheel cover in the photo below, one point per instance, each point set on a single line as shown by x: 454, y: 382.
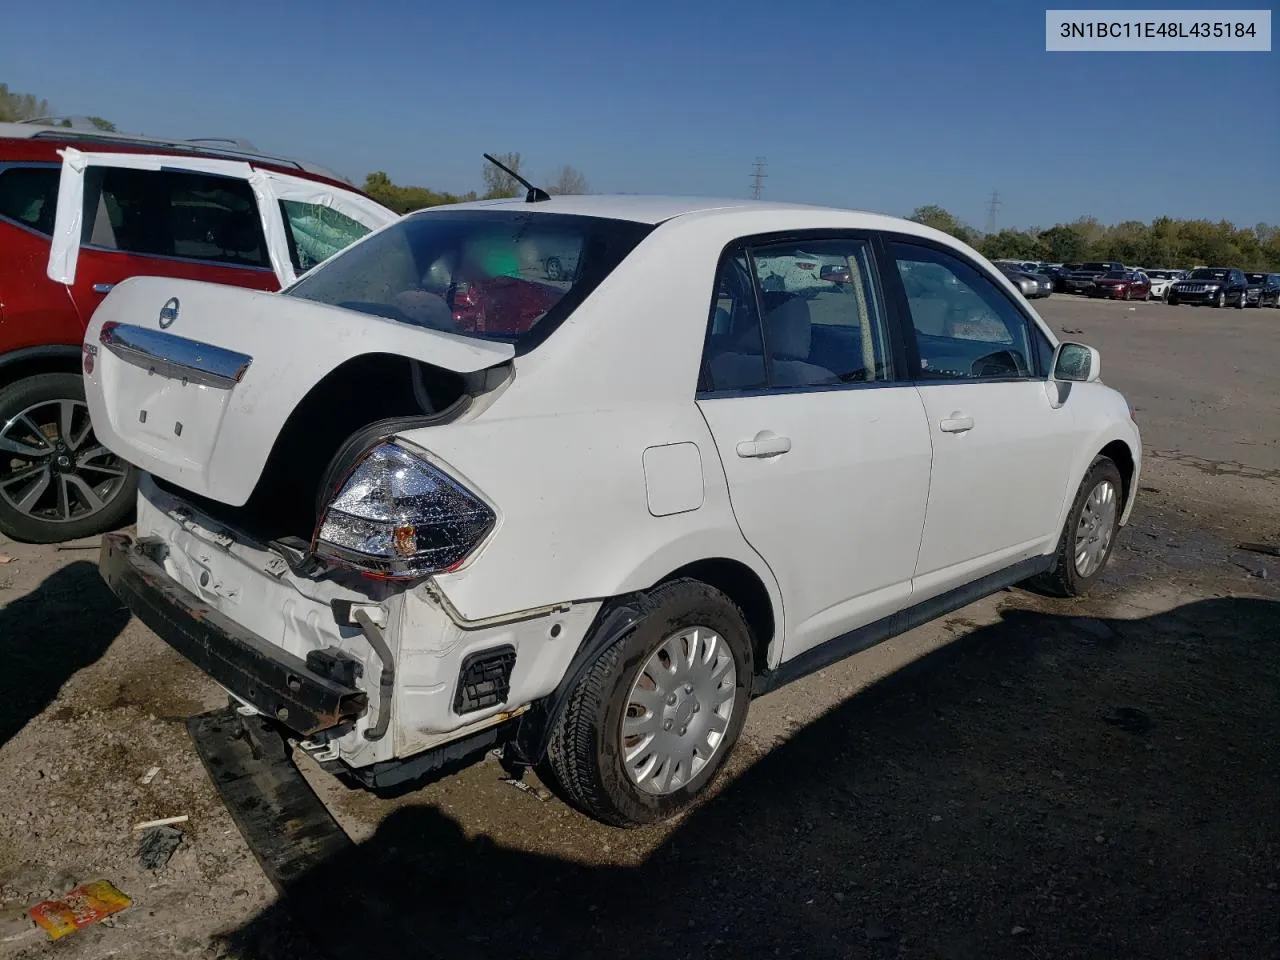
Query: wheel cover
x: 1096, y: 528
x: 678, y: 711
x: 52, y: 469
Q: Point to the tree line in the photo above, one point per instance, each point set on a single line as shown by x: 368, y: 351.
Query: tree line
x: 1164, y: 242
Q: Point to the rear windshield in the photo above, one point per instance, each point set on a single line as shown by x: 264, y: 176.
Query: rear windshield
x: 494, y: 275
x: 1117, y: 275
x: 1159, y: 274
x: 1208, y: 275
x: 1098, y: 267
x: 1256, y: 277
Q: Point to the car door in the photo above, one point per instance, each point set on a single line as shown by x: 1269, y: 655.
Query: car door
x: 823, y: 441
x: 1002, y: 450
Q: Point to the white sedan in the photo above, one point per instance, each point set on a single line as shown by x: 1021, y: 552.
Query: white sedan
x: 429, y: 500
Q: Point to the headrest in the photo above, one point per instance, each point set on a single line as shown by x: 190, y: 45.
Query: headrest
x: 788, y: 330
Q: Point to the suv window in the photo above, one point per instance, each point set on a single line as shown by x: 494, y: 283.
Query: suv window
x: 316, y: 232
x: 196, y: 216
x: 29, y: 195
x: 965, y: 326
x: 822, y: 319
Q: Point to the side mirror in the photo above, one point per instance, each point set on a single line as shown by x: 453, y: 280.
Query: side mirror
x: 1076, y: 363
x: 834, y: 273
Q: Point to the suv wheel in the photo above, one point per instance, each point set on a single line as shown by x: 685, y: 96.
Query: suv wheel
x: 56, y: 481
x: 653, y: 718
x: 1244, y: 295
x: 1221, y: 299
x: 1090, y: 531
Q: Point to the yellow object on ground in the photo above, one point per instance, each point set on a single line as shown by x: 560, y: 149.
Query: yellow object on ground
x: 86, y: 904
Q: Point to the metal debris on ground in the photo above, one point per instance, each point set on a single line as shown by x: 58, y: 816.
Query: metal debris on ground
x: 157, y: 846
x: 150, y: 775
x: 84, y: 905
x: 1269, y: 549
x: 163, y: 822
x: 527, y: 788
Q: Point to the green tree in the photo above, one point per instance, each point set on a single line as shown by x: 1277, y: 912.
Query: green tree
x: 407, y: 199
x: 21, y: 106
x: 1009, y: 244
x: 567, y: 180
x: 1062, y: 244
x: 932, y: 215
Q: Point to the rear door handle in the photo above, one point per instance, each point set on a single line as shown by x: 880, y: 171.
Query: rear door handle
x: 765, y: 444
x: 102, y: 287
x: 956, y: 424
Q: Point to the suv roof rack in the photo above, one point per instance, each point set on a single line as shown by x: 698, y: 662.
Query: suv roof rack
x: 84, y: 129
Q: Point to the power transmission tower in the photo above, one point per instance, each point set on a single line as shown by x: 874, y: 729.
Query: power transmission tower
x: 992, y: 206
x: 757, y: 179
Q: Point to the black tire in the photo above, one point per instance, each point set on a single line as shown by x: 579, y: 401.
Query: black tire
x: 1240, y: 303
x: 584, y: 764
x: 1065, y: 580
x: 22, y: 526
x: 1220, y: 300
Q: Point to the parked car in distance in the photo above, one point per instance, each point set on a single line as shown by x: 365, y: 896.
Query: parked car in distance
x: 1162, y: 281
x: 82, y: 211
x: 420, y: 580
x: 1122, y: 285
x: 1263, y: 289
x: 1081, y: 278
x: 1031, y: 285
x: 1215, y: 286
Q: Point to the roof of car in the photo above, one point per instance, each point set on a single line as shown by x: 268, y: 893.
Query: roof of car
x: 225, y: 147
x: 654, y: 209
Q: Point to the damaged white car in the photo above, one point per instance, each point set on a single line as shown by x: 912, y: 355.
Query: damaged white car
x: 438, y: 495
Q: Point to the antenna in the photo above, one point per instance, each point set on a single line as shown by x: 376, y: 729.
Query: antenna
x: 757, y: 179
x: 535, y: 194
x: 992, y: 206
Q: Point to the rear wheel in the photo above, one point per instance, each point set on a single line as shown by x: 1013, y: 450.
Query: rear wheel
x: 1087, y: 538
x: 653, y: 718
x: 56, y: 481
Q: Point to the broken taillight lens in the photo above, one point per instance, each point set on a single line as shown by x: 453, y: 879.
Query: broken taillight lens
x: 398, y: 516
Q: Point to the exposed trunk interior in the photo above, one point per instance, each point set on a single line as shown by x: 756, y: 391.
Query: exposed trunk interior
x: 323, y: 433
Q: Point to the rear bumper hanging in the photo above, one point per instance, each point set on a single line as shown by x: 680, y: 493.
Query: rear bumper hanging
x: 273, y: 680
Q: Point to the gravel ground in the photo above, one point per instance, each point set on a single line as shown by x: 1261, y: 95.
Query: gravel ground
x: 1026, y: 778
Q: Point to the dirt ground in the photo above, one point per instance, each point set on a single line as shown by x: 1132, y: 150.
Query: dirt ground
x: 1026, y: 778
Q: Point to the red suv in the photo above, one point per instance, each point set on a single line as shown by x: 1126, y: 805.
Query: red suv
x: 81, y: 211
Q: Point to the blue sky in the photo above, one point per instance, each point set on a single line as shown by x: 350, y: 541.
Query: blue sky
x: 877, y: 106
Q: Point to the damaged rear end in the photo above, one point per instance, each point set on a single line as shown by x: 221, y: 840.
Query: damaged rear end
x: 291, y: 515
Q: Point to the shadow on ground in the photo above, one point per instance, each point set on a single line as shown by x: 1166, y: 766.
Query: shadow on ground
x: 62, y: 626
x: 1044, y: 787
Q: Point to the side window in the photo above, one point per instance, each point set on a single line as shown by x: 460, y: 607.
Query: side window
x: 734, y: 354
x: 169, y: 213
x: 965, y: 326
x: 822, y: 319
x: 29, y: 196
x: 316, y: 233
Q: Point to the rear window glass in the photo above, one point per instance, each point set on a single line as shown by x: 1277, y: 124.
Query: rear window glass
x: 1208, y: 274
x: 29, y: 196
x: 495, y: 275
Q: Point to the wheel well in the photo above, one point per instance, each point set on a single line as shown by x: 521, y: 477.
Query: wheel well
x: 24, y: 367
x: 1120, y: 454
x: 744, y: 587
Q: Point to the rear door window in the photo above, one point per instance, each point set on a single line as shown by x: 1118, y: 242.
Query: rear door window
x: 169, y: 213
x: 29, y: 196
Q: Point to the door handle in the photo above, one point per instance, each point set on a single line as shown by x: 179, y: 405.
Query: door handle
x: 956, y: 424
x: 102, y: 287
x: 765, y: 444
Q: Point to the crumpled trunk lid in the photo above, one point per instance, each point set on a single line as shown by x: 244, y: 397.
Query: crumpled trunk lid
x: 193, y: 382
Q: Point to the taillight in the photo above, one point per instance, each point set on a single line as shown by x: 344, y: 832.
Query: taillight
x: 400, y: 517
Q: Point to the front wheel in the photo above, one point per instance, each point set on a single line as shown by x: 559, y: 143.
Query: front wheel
x: 57, y: 482
x: 1220, y: 300
x: 1087, y: 538
x: 652, y: 719
x: 1241, y: 302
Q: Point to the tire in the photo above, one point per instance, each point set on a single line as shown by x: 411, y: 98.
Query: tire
x: 1220, y: 300
x: 57, y: 503
x: 1240, y: 303
x: 1066, y: 579
x: 585, y: 754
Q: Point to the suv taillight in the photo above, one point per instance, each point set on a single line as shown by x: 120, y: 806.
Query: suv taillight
x: 400, y: 517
